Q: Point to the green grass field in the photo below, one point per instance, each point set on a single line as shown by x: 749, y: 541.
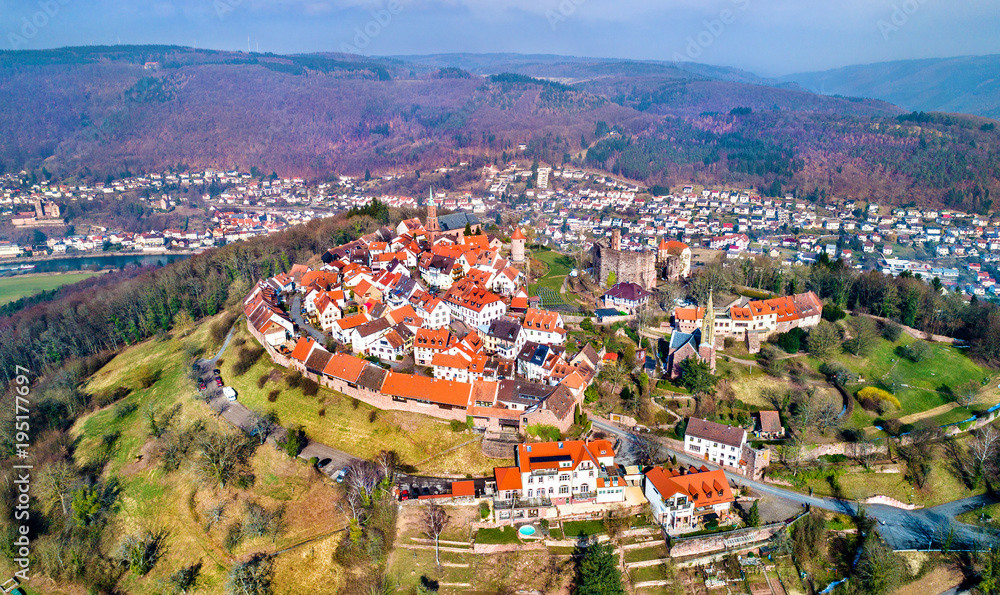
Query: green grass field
x: 548, y: 286
x: 13, y: 288
x: 928, y: 382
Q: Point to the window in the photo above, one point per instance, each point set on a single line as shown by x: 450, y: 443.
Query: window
x: 563, y: 489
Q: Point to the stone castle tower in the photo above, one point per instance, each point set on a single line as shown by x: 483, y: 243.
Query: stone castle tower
x: 628, y: 266
x: 517, y: 241
x: 432, y: 226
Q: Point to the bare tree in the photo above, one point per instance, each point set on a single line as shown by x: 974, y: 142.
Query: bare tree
x: 435, y: 520
x: 614, y: 372
x: 223, y: 457
x: 865, y: 451
x: 387, y: 461
x: 983, y: 448
x: 55, y: 482
x: 262, y: 426
x: 827, y: 416
x: 646, y: 449
x: 966, y: 392
x: 362, y: 478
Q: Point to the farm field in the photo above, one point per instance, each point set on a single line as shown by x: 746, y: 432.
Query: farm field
x: 19, y: 286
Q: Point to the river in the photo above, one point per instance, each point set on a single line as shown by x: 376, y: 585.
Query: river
x: 92, y: 263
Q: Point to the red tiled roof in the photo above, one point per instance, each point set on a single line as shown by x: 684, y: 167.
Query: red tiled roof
x: 445, y: 392
x: 508, y: 478
x: 345, y: 367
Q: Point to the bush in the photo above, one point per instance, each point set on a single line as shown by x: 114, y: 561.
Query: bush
x: 111, y: 395
x: 916, y: 352
x: 246, y: 358
x: 373, y: 415
x: 273, y: 395
x: 833, y: 313
x: 220, y: 328
x: 877, y: 395
x: 263, y: 379
x: 123, y: 410
x: 837, y: 373
x: 456, y: 426
x: 789, y: 342
x: 309, y: 387
x: 587, y: 324
x: 891, y: 331
x: 293, y: 378
x: 484, y: 509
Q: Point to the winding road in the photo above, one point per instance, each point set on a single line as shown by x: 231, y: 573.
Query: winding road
x: 902, y: 529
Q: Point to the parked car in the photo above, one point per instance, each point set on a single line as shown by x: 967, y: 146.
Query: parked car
x: 229, y: 392
x: 202, y: 386
x: 339, y: 477
x: 217, y: 371
x: 218, y: 381
x: 404, y: 495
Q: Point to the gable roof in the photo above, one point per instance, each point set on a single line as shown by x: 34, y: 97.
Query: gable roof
x: 345, y: 367
x: 444, y: 392
x: 709, y: 430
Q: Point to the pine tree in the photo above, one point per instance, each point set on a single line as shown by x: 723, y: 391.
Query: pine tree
x: 598, y: 572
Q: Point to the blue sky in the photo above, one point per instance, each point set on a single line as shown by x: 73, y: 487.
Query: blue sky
x: 769, y: 37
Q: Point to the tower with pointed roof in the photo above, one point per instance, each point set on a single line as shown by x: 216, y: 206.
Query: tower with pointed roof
x: 708, y: 323
x: 517, y: 241
x: 432, y: 226
x: 706, y: 344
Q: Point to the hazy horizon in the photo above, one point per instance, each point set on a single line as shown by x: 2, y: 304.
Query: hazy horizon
x: 769, y: 38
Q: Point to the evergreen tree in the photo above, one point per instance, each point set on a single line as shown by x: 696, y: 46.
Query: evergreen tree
x: 597, y: 573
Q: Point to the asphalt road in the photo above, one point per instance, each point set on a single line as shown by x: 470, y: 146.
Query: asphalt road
x: 902, y: 529
x: 303, y: 324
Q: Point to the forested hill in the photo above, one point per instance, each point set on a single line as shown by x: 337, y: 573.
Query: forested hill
x: 99, y: 111
x: 966, y: 84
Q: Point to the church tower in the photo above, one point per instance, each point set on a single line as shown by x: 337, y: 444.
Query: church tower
x: 708, y: 323
x: 432, y: 226
x: 706, y: 347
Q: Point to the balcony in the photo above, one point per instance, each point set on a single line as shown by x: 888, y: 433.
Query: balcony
x: 519, y: 503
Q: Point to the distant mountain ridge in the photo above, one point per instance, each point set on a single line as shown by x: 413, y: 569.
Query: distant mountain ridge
x: 94, y: 112
x: 966, y: 84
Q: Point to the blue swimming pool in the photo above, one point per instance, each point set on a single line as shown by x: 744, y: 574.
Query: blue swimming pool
x: 526, y: 530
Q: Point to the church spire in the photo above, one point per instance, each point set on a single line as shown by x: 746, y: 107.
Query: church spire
x: 708, y: 323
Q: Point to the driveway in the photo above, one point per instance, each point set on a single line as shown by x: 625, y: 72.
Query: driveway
x: 902, y: 529
x: 296, y: 313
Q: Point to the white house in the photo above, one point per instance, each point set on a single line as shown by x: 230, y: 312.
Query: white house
x: 715, y: 442
x: 679, y: 499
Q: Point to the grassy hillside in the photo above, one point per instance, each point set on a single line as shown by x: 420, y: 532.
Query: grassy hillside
x: 116, y: 441
x: 354, y: 427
